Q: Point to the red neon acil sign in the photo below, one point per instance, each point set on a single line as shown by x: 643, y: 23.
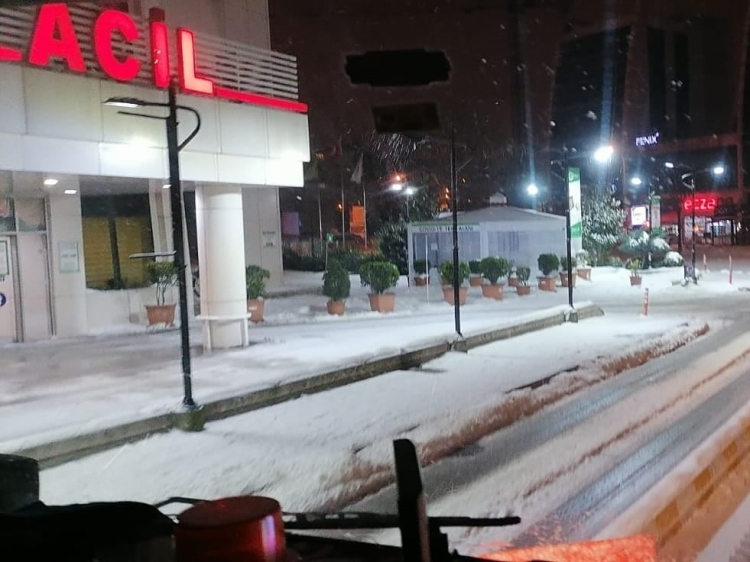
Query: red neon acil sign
x: 54, y: 38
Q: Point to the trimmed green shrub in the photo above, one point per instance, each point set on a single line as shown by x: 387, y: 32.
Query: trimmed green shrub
x: 564, y: 263
x: 523, y: 273
x: 336, y: 282
x: 548, y: 263
x: 474, y: 267
x: 493, y: 269
x: 420, y: 267
x: 379, y: 276
x: 255, y: 281
x: 163, y: 274
x: 446, y: 272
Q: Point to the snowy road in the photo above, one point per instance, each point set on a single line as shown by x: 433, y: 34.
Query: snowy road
x: 571, y: 469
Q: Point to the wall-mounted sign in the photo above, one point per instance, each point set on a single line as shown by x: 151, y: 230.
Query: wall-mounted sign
x: 269, y: 239
x: 648, y: 140
x: 702, y: 204
x: 426, y: 228
x: 4, y: 258
x: 70, y: 261
x: 3, y: 300
x: 54, y: 38
x: 638, y: 215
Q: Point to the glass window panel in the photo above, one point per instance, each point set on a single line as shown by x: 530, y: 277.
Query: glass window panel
x: 30, y: 215
x: 7, y: 215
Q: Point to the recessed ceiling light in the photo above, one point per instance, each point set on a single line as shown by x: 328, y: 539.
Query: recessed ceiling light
x: 167, y: 185
x: 49, y: 182
x: 70, y: 192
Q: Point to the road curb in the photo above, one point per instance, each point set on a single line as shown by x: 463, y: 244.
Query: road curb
x: 669, y: 521
x: 65, y: 450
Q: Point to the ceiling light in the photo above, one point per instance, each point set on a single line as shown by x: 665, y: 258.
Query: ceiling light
x: 50, y: 182
x: 70, y: 192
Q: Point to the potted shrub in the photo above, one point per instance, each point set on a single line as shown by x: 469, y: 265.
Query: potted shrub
x: 475, y: 274
x: 493, y: 269
x: 512, y: 279
x: 548, y: 263
x: 420, y: 268
x: 380, y: 276
x: 564, y: 270
x: 522, y: 275
x: 336, y: 286
x: 584, y: 266
x: 163, y: 274
x: 634, y: 264
x: 446, y: 276
x: 255, y: 284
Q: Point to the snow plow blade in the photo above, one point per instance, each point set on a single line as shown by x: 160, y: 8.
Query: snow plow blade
x: 630, y: 549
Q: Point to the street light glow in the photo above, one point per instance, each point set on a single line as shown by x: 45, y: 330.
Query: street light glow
x: 409, y: 191
x: 636, y: 181
x: 718, y: 170
x: 397, y: 186
x: 604, y: 153
x: 532, y: 190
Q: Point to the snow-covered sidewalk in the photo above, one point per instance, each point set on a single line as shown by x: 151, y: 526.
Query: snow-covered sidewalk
x: 320, y: 447
x: 57, y: 389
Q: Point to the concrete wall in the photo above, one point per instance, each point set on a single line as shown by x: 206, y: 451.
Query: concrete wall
x: 260, y: 208
x: 106, y: 309
x: 57, y: 123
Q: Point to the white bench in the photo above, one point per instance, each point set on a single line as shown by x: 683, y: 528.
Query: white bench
x: 241, y: 319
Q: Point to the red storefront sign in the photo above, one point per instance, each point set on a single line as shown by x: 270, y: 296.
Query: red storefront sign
x: 703, y: 204
x: 54, y: 37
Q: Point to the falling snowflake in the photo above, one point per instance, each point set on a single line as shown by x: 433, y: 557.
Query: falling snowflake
x: 552, y: 124
x: 484, y: 61
x: 591, y: 115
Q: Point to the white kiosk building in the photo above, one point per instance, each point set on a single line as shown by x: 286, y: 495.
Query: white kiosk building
x: 82, y: 187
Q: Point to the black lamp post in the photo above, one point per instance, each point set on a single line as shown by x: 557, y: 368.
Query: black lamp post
x: 175, y: 196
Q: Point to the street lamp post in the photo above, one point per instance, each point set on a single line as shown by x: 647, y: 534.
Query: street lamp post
x: 175, y: 197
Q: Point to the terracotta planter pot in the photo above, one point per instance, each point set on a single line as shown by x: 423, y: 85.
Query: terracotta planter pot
x: 634, y: 281
x: 420, y: 281
x: 382, y: 303
x: 336, y: 308
x: 512, y: 282
x: 256, y: 315
x: 492, y: 292
x: 584, y: 273
x: 547, y: 284
x: 448, y: 295
x: 476, y: 281
x: 523, y: 290
x: 564, y: 279
x: 160, y: 314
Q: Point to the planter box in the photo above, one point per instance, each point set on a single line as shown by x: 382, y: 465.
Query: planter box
x: 492, y: 292
x: 523, y: 290
x: 256, y: 307
x: 382, y: 303
x: 564, y: 279
x: 448, y: 295
x: 420, y: 281
x: 336, y: 308
x: 160, y: 314
x: 584, y: 273
x: 512, y: 282
x: 476, y: 281
x: 636, y: 281
x: 547, y: 284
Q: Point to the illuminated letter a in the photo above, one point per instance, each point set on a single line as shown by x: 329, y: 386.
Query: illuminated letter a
x: 55, y: 37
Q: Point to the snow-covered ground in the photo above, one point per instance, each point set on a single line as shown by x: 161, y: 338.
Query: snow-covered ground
x: 116, y: 379
x: 312, y: 450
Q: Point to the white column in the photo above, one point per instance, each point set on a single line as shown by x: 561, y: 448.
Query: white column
x: 65, y: 230
x: 221, y: 250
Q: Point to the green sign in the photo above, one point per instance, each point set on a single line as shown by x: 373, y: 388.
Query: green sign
x: 329, y: 238
x: 576, y: 218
